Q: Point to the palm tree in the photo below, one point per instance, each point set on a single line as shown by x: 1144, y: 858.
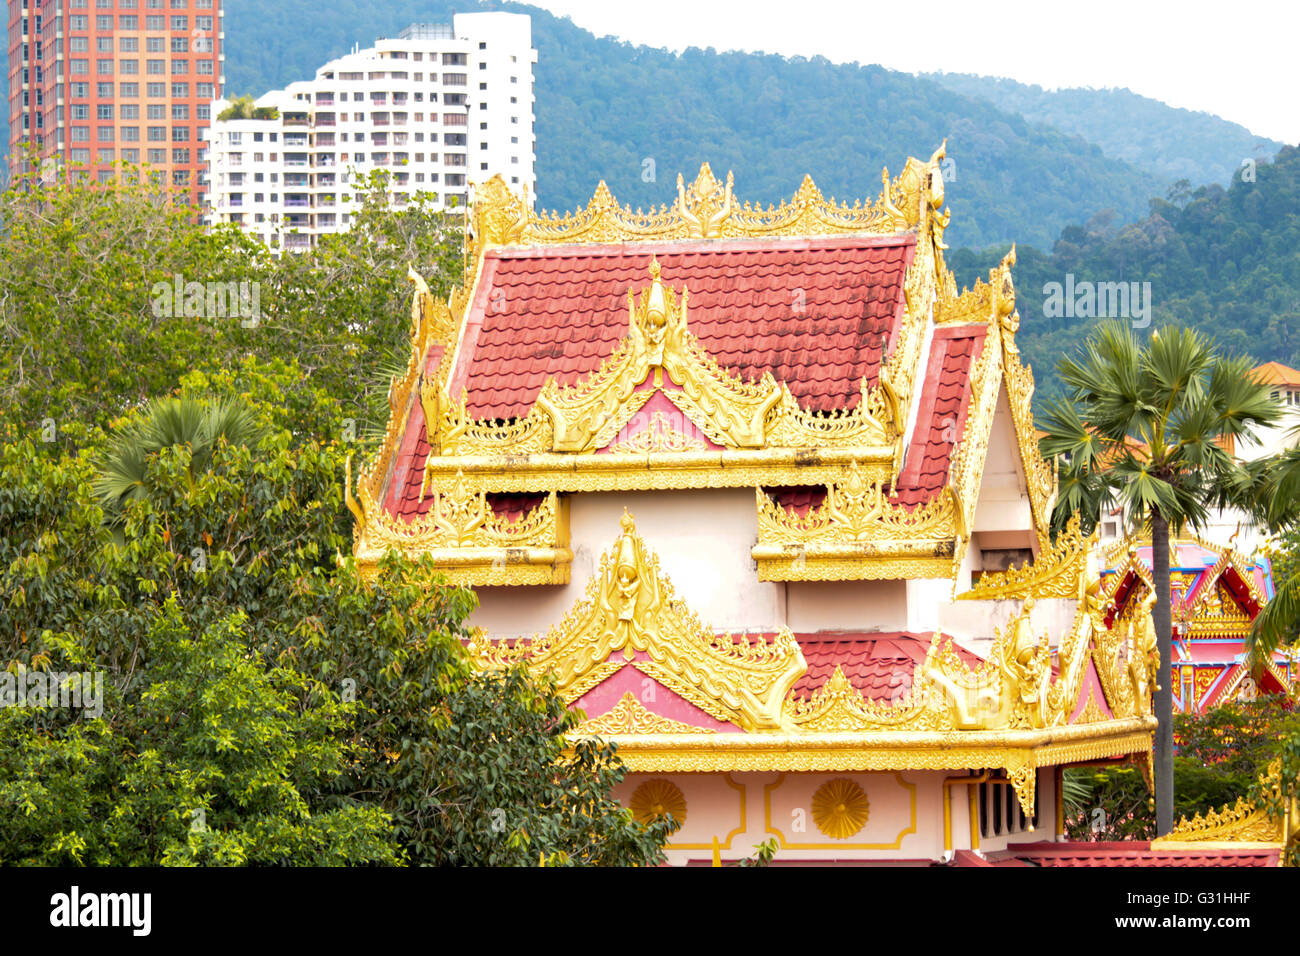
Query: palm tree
x: 1144, y: 426
x: 164, y: 423
x: 1272, y: 488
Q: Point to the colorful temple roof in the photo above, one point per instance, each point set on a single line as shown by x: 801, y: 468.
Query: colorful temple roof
x: 816, y: 353
x: 1215, y: 594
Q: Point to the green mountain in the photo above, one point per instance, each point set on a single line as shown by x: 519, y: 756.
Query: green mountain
x: 1171, y: 143
x: 1226, y: 261
x: 636, y: 116
x: 605, y: 107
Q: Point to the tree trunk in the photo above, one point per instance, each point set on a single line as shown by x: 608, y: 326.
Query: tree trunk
x: 1164, y: 695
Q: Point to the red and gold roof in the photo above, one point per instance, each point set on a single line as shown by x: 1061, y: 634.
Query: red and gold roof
x: 816, y: 352
x: 813, y: 347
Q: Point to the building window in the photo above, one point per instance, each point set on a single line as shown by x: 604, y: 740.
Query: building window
x: 1000, y: 813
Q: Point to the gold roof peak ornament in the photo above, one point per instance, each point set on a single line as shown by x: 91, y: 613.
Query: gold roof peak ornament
x: 631, y: 616
x: 709, y: 209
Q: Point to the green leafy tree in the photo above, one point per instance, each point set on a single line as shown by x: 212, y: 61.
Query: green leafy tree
x: 1143, y: 426
x: 256, y: 684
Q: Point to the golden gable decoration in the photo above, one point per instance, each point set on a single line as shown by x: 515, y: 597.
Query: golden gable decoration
x: 630, y: 716
x: 857, y: 532
x: 1053, y: 573
x: 631, y: 607
x: 468, y: 539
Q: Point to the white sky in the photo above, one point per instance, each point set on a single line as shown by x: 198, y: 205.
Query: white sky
x: 1236, y: 59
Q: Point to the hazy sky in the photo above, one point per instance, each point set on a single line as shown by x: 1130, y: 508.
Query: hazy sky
x: 1235, y: 59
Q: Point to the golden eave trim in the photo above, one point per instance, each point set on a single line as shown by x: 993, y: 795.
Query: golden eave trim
x: 655, y: 471
x: 885, y: 751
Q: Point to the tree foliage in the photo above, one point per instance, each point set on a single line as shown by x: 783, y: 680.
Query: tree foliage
x: 181, y: 532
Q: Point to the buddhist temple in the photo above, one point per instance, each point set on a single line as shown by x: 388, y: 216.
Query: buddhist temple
x: 728, y: 472
x: 1216, y: 593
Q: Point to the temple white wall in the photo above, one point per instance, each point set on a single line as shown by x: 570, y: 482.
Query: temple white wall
x: 703, y: 540
x: 904, y: 816
x: 846, y: 605
x: 704, y: 537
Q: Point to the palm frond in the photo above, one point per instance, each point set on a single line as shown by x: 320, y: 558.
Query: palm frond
x: 1277, y: 624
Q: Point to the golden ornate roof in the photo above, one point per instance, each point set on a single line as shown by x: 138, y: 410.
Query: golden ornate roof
x: 690, y: 387
x: 1008, y: 711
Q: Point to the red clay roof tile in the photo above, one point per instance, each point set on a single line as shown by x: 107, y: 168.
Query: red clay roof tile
x: 813, y: 312
x: 879, y: 664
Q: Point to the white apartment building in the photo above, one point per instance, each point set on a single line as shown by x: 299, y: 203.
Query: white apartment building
x: 438, y: 107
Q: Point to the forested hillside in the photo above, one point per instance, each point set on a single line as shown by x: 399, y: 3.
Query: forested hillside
x: 1172, y: 143
x: 605, y: 107
x: 1226, y: 261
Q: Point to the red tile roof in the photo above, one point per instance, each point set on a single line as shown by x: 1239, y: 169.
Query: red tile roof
x: 1134, y: 853
x: 941, y: 415
x: 879, y: 664
x: 813, y: 312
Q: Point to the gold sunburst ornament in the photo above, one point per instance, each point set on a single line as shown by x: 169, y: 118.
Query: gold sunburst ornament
x: 839, y: 808
x: 656, y: 798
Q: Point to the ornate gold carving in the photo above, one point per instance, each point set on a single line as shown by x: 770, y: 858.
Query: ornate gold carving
x: 855, y: 510
x: 659, y: 435
x: 839, y: 707
x: 840, y: 808
x: 656, y: 799
x: 654, y: 471
x: 1054, y: 573
x: 903, y: 750
x: 1010, y: 689
x: 1241, y: 822
x: 1091, y: 713
x: 856, y: 527
x: 431, y: 322
x: 471, y: 543
x: 708, y: 209
x: 629, y: 716
x: 631, y: 607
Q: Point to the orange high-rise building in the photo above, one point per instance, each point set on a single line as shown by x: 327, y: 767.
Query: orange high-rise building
x: 92, y: 82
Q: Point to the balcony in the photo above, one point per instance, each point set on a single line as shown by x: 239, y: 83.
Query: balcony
x: 324, y: 99
x: 295, y: 119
